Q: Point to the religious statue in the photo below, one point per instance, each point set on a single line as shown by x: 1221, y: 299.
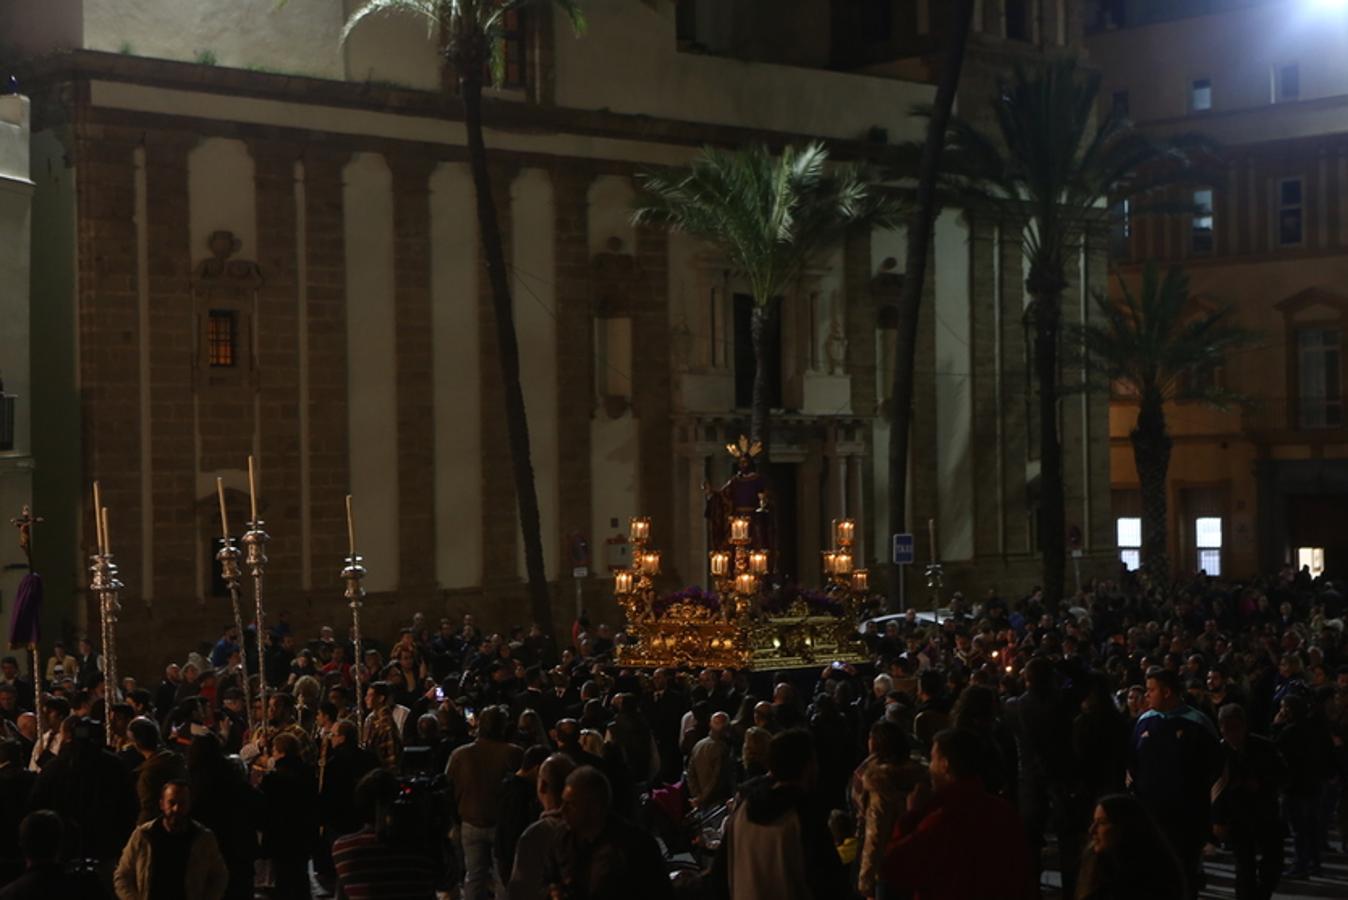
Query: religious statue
x: 25, y: 522
x: 747, y: 493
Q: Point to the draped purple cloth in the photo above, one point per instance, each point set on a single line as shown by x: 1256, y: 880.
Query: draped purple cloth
x: 25, y: 623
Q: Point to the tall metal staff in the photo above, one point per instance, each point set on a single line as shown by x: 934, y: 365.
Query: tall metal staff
x: 352, y: 573
x: 106, y: 584
x: 230, y: 572
x: 255, y: 557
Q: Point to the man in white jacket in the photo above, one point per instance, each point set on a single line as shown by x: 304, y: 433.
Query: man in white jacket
x: 171, y: 856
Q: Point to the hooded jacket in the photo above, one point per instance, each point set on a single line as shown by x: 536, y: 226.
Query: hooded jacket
x: 778, y: 845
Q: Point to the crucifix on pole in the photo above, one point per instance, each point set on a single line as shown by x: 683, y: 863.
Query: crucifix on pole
x: 28, y: 605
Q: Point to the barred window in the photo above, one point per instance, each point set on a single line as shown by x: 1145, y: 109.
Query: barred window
x: 222, y: 336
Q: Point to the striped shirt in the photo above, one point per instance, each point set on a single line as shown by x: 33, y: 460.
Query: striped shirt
x: 369, y: 869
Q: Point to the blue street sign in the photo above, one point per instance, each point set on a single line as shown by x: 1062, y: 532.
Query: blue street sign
x: 903, y: 549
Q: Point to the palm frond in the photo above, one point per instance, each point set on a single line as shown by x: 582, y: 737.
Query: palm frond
x: 1157, y: 340
x: 770, y: 216
x: 435, y: 13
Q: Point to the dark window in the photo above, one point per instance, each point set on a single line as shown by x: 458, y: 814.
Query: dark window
x: 218, y: 588
x: 685, y: 21
x: 745, y: 362
x: 7, y: 403
x: 222, y: 338
x: 876, y: 22
x: 1288, y: 85
x: 1121, y: 103
x: 1290, y: 210
x: 513, y: 50
x: 1017, y: 20
x: 1319, y: 377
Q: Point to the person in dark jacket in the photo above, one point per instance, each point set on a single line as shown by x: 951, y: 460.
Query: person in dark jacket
x: 599, y: 855
x: 1305, y: 743
x: 1127, y: 857
x: 90, y: 789
x: 44, y: 877
x: 16, y: 785
x: 517, y: 807
x: 777, y: 843
x: 224, y: 802
x: 1174, y: 759
x: 1245, y: 808
x: 290, y: 829
x: 158, y: 766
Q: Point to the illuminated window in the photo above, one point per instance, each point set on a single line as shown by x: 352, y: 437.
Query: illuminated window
x: 1208, y: 540
x: 1201, y: 226
x: 1286, y: 83
x: 222, y: 335
x: 1312, y: 558
x: 1130, y: 541
x: 1200, y: 94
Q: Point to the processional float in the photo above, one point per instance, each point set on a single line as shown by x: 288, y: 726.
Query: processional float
x: 747, y: 619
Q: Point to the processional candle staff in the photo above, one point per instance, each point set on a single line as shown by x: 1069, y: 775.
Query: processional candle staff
x: 352, y: 574
x: 230, y: 572
x: 106, y: 585
x: 255, y: 557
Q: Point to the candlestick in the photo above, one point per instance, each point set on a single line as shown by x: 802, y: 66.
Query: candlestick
x: 739, y: 529
x: 860, y: 581
x: 622, y: 582
x: 746, y: 583
x: 720, y: 562
x: 107, y: 536
x: 844, y: 532
x: 640, y: 528
x: 758, y: 562
x: 931, y: 537
x: 350, y: 526
x: 98, y: 520
x: 224, y: 519
x: 252, y: 489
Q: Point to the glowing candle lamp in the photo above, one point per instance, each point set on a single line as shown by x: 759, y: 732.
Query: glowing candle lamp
x: 844, y: 532
x: 758, y: 562
x: 746, y: 583
x: 861, y: 580
x: 720, y: 563
x: 739, y: 528
x: 650, y: 562
x: 622, y: 581
x: 842, y: 563
x: 640, y: 528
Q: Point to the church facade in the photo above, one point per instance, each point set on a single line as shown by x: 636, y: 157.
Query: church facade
x: 260, y: 241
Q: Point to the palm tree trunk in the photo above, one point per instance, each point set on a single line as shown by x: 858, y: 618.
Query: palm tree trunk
x: 760, y: 329
x: 1151, y: 453
x: 1052, y: 506
x: 517, y: 422
x: 915, y: 275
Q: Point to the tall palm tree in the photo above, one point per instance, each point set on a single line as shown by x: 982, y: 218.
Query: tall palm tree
x: 1050, y: 164
x: 771, y: 217
x: 1159, y: 345
x: 915, y: 276
x: 472, y: 34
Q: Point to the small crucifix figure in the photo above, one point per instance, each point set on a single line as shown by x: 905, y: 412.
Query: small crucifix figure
x: 25, y: 523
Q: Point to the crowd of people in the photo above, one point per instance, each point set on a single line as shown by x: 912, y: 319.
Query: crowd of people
x: 1123, y: 735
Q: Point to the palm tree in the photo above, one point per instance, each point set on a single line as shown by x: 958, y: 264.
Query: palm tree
x: 915, y: 276
x: 1159, y: 346
x: 473, y: 33
x: 1050, y: 164
x: 770, y: 217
